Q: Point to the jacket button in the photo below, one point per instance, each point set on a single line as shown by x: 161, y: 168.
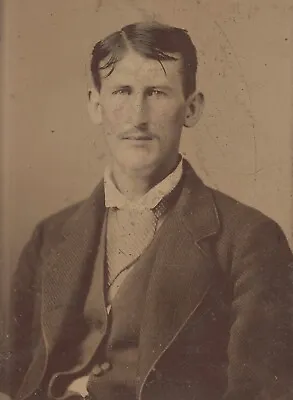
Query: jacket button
x: 106, y: 366
x: 99, y: 370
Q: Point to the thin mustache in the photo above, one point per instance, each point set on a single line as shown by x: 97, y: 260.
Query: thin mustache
x: 137, y: 134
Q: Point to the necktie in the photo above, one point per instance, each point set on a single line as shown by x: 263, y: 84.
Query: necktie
x: 129, y: 233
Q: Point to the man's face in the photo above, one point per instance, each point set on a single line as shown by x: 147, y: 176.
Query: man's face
x: 142, y: 110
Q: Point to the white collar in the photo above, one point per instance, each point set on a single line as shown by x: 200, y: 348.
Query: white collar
x: 114, y: 198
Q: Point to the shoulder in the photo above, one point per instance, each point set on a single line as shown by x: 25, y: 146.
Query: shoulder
x: 55, y: 222
x: 226, y: 210
x: 247, y: 229
x: 53, y: 227
x: 243, y: 221
x: 235, y: 212
x: 47, y: 233
x: 248, y: 240
x: 234, y: 223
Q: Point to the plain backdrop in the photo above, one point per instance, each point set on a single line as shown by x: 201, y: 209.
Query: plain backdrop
x: 53, y: 156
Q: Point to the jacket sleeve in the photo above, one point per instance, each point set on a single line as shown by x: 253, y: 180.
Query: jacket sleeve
x: 20, y: 340
x: 260, y: 346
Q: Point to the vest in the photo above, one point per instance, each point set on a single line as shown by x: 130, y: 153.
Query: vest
x: 113, y: 339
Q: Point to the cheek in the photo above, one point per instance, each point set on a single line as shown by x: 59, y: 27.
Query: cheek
x: 116, y: 112
x: 111, y: 117
x: 169, y: 117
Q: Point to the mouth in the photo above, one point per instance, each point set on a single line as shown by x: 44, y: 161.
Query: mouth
x: 138, y: 137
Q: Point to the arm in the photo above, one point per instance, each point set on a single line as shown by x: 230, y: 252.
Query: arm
x: 19, y: 344
x: 260, y: 346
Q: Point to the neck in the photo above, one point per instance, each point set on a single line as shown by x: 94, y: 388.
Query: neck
x: 134, y: 185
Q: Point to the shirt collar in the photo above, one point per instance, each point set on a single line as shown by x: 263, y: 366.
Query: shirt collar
x: 114, y: 198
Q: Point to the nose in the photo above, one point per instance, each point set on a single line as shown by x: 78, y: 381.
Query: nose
x: 139, y: 112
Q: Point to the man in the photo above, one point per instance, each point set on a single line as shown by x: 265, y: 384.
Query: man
x: 156, y: 286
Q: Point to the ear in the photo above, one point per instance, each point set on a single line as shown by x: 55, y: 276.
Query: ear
x: 94, y: 107
x: 194, y: 109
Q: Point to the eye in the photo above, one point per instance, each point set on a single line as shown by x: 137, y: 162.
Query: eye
x: 122, y: 91
x: 156, y: 93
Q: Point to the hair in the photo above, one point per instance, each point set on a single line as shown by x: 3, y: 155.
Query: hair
x: 153, y: 40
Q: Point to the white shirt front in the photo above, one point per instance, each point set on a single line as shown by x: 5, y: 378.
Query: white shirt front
x: 122, y: 209
x: 114, y: 198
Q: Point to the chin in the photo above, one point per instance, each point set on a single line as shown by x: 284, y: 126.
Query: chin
x: 140, y: 166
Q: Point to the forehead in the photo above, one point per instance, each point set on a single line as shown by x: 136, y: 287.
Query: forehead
x: 135, y: 68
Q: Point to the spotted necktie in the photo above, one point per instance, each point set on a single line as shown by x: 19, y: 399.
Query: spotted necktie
x: 129, y: 233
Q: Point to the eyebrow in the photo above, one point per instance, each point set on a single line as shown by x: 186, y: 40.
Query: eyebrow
x: 120, y: 86
x: 161, y: 87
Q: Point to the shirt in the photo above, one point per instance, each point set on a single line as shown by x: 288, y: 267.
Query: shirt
x: 114, y: 198
x: 115, y: 201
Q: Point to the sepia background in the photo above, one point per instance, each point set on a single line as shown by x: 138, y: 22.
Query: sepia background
x: 52, y: 155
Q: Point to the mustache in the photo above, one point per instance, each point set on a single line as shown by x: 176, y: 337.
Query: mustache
x: 136, y: 133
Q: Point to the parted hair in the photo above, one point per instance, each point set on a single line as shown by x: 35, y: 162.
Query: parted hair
x: 152, y: 40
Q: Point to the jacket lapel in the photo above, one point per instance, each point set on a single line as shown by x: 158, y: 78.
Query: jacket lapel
x: 68, y: 266
x: 182, y: 274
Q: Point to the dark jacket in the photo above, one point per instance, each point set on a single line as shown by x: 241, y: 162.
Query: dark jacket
x: 217, y: 320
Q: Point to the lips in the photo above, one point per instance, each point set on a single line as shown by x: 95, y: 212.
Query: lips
x: 137, y: 137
